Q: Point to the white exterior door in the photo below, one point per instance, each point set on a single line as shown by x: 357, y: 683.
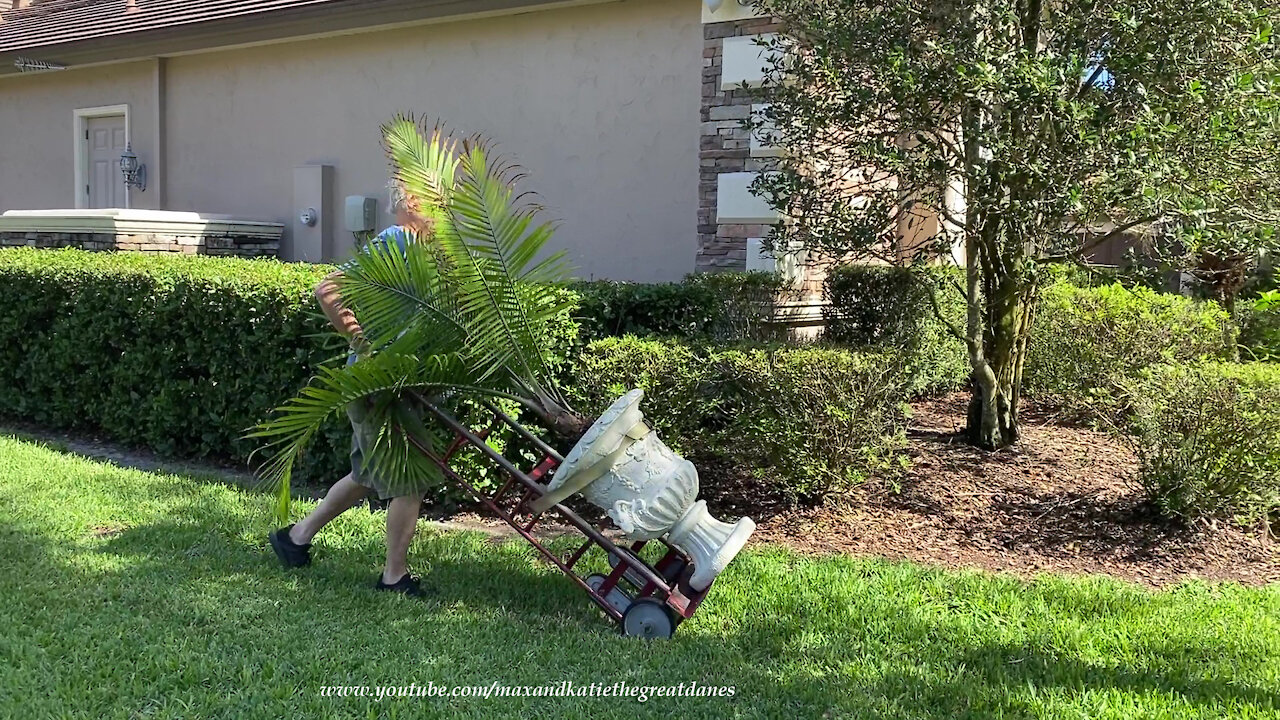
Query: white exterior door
x: 105, y: 143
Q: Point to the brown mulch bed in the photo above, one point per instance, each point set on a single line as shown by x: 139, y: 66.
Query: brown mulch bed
x: 1065, y: 499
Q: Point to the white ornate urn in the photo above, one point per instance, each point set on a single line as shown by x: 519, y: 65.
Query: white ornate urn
x: 621, y: 466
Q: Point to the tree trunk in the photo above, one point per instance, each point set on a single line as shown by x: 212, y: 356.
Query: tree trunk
x: 997, y: 378
x: 566, y: 426
x: 999, y: 294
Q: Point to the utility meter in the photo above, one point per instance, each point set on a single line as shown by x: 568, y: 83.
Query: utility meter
x: 361, y: 213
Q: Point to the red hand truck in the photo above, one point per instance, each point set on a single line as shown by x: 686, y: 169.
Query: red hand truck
x: 645, y: 600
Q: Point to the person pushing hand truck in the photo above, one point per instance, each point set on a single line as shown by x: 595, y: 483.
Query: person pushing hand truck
x: 292, y: 544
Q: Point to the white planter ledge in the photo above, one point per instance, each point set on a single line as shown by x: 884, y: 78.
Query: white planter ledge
x: 118, y: 221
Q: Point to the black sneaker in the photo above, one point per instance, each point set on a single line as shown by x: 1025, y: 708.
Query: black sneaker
x: 407, y: 585
x: 291, y: 554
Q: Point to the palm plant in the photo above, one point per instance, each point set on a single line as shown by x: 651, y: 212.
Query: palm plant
x: 462, y: 311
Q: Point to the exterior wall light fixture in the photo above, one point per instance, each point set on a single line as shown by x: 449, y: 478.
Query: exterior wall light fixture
x: 135, y: 174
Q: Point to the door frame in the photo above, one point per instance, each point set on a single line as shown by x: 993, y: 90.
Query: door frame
x: 82, y: 116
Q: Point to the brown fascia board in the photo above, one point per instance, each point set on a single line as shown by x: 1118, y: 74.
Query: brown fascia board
x: 296, y: 22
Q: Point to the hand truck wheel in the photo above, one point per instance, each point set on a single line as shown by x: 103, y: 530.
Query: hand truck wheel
x: 617, y: 598
x: 648, y: 618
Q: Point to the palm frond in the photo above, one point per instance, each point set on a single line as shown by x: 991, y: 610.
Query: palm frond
x: 464, y: 311
x: 390, y: 288
x: 391, y: 380
x: 492, y: 249
x: 425, y: 160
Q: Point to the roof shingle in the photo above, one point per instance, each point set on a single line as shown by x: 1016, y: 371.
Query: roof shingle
x: 56, y: 22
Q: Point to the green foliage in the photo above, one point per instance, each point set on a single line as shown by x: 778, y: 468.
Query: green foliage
x: 178, y: 354
x: 1209, y: 439
x: 889, y: 308
x: 1045, y: 113
x: 806, y: 421
x: 1013, y: 130
x: 1129, y: 275
x: 1085, y: 340
x: 1147, y: 363
x: 183, y: 355
x: 721, y: 306
x: 1260, y: 328
x: 460, y: 311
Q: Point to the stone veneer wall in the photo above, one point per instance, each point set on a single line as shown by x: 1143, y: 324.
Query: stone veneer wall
x: 231, y: 245
x: 725, y: 147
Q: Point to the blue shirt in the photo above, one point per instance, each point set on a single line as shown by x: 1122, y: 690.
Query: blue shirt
x: 397, y: 235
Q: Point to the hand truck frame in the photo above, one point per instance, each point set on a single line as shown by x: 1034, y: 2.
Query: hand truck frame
x: 644, y: 600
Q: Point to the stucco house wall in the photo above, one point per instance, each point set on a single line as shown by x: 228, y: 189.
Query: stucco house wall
x: 599, y: 104
x: 37, y: 129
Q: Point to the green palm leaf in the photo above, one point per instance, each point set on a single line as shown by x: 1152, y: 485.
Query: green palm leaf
x: 392, y: 382
x: 389, y: 289
x: 462, y: 311
x: 492, y: 250
x: 426, y: 161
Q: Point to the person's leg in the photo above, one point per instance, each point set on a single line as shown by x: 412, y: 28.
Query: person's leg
x: 341, y: 497
x: 402, y: 521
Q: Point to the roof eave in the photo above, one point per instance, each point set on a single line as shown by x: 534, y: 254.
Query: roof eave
x: 284, y: 25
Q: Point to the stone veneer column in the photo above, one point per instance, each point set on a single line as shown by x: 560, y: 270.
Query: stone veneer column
x: 724, y: 235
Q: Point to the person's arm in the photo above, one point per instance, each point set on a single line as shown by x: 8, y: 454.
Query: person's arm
x: 342, y: 319
x: 330, y: 298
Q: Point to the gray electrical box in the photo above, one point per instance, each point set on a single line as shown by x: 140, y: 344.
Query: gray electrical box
x: 361, y: 213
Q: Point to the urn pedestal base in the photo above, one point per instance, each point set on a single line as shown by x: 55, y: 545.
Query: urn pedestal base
x: 709, y: 543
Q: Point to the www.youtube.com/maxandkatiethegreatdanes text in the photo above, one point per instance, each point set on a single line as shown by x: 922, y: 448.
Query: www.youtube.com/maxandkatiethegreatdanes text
x: 567, y: 688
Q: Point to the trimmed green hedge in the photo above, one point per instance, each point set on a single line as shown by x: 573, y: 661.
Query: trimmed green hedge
x: 806, y: 421
x: 183, y: 354
x: 178, y: 354
x: 1084, y: 340
x: 1208, y: 436
x: 889, y: 308
x: 720, y: 306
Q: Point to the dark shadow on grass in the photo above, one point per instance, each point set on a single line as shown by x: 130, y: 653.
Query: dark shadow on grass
x: 80, y: 444
x: 490, y: 576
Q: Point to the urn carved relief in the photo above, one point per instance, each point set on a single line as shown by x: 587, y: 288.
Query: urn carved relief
x: 621, y: 466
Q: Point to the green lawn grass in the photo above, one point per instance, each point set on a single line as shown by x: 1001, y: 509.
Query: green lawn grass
x: 125, y: 594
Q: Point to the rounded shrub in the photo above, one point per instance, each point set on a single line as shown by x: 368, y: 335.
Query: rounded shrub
x: 889, y: 308
x: 1084, y: 340
x: 1208, y: 437
x: 805, y: 421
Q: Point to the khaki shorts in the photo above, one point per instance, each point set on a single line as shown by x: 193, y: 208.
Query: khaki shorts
x: 363, y: 435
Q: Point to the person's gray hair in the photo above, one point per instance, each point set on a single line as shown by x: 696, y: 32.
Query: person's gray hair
x: 397, y: 198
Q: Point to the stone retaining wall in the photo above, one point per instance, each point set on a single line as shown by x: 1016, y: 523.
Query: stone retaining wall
x: 230, y: 245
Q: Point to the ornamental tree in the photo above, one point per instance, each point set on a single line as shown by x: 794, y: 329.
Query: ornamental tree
x: 1008, y: 134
